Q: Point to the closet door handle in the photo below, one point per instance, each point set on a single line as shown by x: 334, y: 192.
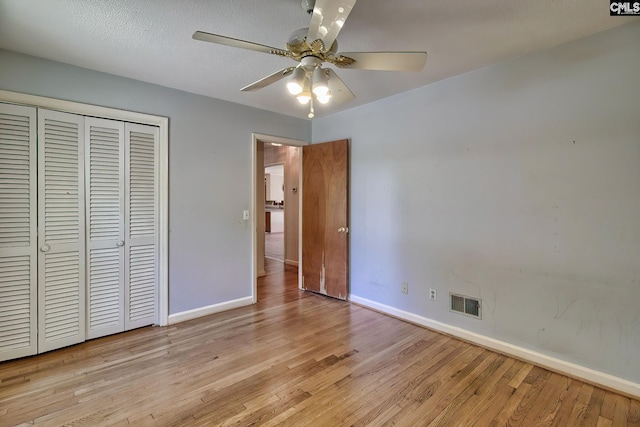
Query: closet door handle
x: 45, y: 248
x: 120, y: 243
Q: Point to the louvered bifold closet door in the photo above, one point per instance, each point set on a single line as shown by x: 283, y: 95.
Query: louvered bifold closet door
x: 18, y: 244
x: 141, y: 283
x: 104, y: 165
x: 61, y: 230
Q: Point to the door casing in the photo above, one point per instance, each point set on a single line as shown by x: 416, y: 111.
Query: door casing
x: 258, y: 138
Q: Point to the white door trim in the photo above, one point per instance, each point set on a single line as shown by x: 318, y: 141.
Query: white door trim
x: 255, y: 137
x: 128, y: 116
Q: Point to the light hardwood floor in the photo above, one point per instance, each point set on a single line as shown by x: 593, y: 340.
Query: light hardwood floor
x: 295, y: 359
x: 274, y: 245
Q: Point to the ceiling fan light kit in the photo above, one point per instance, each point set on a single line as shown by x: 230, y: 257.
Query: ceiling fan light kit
x: 309, y: 80
x: 316, y: 45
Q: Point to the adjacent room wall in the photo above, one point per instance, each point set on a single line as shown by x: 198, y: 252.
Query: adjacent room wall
x: 210, y: 143
x: 518, y: 184
x: 289, y: 156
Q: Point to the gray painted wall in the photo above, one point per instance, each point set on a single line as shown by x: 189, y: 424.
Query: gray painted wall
x: 518, y: 183
x: 209, y: 169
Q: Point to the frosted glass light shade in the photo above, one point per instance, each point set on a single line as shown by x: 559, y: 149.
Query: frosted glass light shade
x: 304, y: 98
x: 324, y: 99
x: 296, y: 84
x: 320, y: 83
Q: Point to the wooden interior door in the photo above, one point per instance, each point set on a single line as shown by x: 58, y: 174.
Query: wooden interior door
x: 325, y: 180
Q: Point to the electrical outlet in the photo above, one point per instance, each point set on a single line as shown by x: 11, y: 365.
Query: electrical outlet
x: 405, y: 288
x: 433, y: 294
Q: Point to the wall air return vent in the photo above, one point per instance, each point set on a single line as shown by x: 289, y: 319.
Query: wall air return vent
x: 466, y: 305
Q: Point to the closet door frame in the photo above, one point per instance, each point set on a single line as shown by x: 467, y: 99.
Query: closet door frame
x: 163, y: 170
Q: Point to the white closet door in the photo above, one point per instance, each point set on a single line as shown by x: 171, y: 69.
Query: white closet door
x: 141, y: 222
x: 18, y: 244
x: 104, y: 165
x: 61, y: 230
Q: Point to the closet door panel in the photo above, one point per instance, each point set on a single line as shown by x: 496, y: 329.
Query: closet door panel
x: 18, y: 233
x: 104, y: 163
x: 61, y: 230
x: 141, y: 223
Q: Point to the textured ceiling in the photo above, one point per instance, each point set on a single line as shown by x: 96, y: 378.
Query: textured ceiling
x: 150, y: 40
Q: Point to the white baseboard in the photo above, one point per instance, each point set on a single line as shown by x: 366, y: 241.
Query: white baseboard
x: 210, y: 309
x: 291, y: 262
x: 567, y: 368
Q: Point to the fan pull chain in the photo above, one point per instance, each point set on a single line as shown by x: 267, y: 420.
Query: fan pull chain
x: 311, y: 111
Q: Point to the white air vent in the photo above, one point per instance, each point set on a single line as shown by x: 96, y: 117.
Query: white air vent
x: 466, y: 305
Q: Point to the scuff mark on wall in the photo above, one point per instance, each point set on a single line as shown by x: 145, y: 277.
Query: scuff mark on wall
x: 467, y: 281
x: 583, y: 314
x: 560, y: 314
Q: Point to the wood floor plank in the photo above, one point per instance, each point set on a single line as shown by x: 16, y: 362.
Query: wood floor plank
x: 620, y: 413
x: 484, y: 399
x: 293, y: 359
x: 567, y: 401
x: 633, y: 413
x: 504, y: 416
x: 594, y: 407
x: 576, y: 418
x: 603, y: 422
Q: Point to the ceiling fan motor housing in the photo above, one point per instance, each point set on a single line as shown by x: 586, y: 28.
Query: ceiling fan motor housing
x: 310, y: 63
x: 298, y: 43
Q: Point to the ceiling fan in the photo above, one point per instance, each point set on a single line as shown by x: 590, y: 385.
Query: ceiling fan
x: 316, y: 45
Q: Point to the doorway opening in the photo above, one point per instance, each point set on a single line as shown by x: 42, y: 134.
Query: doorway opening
x: 276, y: 210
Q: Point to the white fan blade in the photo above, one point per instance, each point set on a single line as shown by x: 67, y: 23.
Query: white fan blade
x: 386, y: 61
x: 229, y: 41
x: 271, y: 78
x: 340, y: 93
x: 327, y: 20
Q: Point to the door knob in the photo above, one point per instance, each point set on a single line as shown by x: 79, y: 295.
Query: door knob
x: 120, y: 243
x: 343, y: 230
x: 45, y: 248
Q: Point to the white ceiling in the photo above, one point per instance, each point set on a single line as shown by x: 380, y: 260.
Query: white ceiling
x: 150, y: 40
